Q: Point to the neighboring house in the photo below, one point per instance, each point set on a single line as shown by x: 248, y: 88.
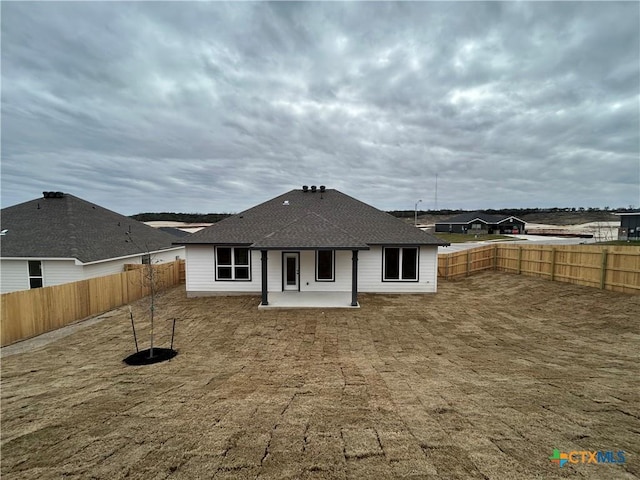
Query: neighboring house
x: 629, y: 226
x: 311, y: 240
x: 479, y: 222
x: 60, y: 238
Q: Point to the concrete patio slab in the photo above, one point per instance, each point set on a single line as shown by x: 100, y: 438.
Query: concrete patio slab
x: 308, y: 300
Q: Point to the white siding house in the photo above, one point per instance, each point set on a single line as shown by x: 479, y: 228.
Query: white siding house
x: 60, y: 239
x: 200, y: 273
x: 311, y: 241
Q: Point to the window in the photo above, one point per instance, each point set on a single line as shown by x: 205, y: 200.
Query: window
x: 400, y: 264
x: 35, y: 274
x: 233, y: 263
x: 324, y: 265
x: 146, y: 259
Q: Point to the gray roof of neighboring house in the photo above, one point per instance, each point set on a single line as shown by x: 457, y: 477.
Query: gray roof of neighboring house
x: 176, y: 232
x: 70, y: 227
x: 298, y: 219
x: 469, y: 216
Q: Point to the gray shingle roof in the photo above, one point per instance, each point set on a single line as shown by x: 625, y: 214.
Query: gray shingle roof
x: 70, y: 227
x: 176, y: 232
x: 312, y: 220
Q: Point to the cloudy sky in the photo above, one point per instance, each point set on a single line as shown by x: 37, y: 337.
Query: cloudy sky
x: 215, y: 107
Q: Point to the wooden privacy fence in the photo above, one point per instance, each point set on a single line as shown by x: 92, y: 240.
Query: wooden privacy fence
x: 608, y: 267
x: 28, y: 313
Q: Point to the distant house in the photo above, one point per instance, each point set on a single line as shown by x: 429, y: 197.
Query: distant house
x: 480, y: 222
x: 59, y: 238
x: 308, y: 241
x: 629, y: 226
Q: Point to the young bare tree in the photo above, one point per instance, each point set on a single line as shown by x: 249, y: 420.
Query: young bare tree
x: 151, y: 280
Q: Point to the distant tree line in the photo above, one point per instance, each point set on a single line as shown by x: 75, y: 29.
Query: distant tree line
x: 181, y: 217
x: 508, y: 211
x: 216, y: 217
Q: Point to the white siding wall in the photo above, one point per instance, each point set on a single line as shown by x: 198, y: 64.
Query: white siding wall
x: 342, y: 273
x: 109, y: 268
x: 370, y: 273
x: 14, y: 275
x: 56, y: 272
x: 200, y: 274
x: 274, y: 271
x: 117, y: 266
x: 168, y: 255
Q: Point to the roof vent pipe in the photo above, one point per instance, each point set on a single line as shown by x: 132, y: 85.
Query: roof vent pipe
x: 305, y: 188
x: 322, y: 188
x: 313, y: 188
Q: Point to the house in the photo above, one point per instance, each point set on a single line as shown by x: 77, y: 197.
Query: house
x: 479, y: 222
x: 629, y: 226
x: 307, y: 243
x: 60, y: 238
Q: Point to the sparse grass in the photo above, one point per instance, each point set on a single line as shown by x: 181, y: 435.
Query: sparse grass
x: 481, y: 380
x: 464, y: 238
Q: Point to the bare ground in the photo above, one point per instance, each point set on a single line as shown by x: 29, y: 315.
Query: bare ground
x: 482, y: 380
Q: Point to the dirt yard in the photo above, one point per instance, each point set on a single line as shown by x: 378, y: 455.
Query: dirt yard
x: 482, y: 381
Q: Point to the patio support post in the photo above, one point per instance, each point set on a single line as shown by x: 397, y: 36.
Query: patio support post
x: 354, y: 279
x: 264, y: 277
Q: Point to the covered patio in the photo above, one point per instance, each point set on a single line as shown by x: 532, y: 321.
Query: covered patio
x: 309, y: 233
x: 291, y: 295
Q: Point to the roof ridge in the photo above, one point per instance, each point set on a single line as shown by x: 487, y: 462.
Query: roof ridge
x: 73, y: 243
x: 309, y: 213
x: 287, y: 225
x: 339, y: 228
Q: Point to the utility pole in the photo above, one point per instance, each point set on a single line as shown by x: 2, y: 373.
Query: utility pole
x: 436, y: 202
x: 415, y: 214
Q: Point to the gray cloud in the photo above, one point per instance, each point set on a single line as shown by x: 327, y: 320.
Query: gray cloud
x: 215, y: 107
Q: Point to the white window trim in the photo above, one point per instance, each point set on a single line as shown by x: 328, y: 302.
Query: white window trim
x: 232, y: 265
x: 400, y: 253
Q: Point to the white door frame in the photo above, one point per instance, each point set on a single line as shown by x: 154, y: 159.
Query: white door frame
x: 286, y: 285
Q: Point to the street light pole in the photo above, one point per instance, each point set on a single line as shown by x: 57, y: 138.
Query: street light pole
x: 415, y: 213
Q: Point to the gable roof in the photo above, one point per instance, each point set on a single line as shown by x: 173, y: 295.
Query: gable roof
x: 69, y: 227
x: 468, y: 217
x: 298, y: 219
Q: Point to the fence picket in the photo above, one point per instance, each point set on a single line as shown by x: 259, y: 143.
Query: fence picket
x: 28, y: 313
x: 614, y: 268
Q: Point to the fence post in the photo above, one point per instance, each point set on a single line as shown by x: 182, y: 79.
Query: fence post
x: 468, y: 262
x: 603, y: 270
x: 553, y: 263
x: 446, y: 267
x: 495, y: 258
x: 519, y: 268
